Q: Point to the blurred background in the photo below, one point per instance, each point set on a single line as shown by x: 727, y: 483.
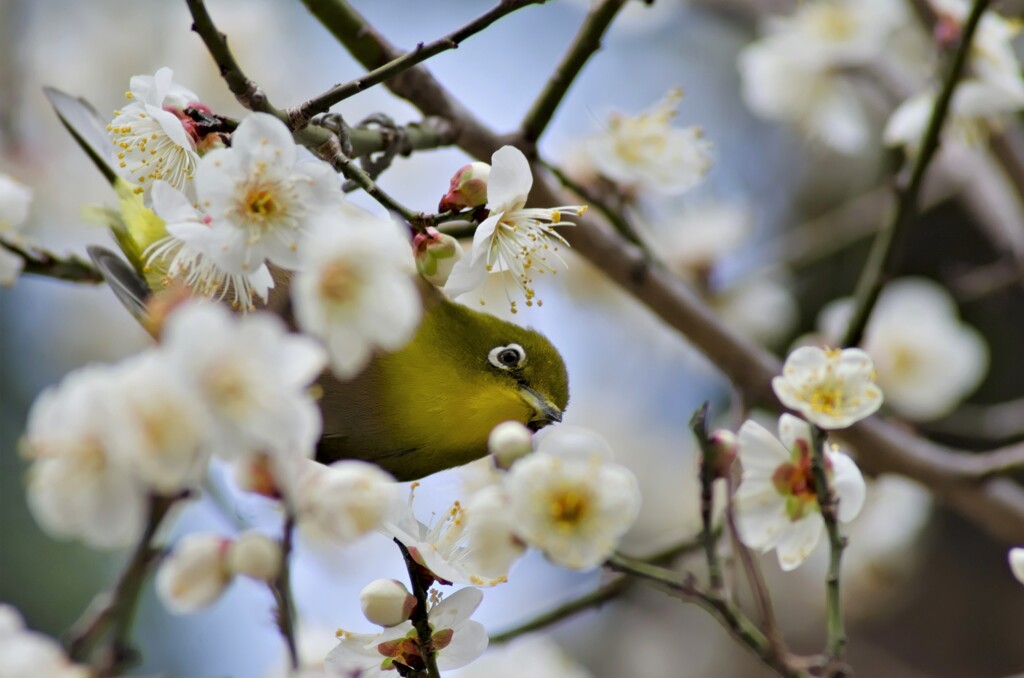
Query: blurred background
x: 928, y: 593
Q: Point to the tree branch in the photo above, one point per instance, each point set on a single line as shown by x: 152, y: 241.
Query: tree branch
x: 587, y: 42
x: 884, y: 256
x: 596, y: 598
x: 281, y: 588
x: 342, y: 22
x: 420, y: 614
x: 43, y: 263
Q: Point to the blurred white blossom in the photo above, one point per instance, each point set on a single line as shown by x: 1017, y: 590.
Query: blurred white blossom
x: 195, y: 573
x: 570, y: 500
x: 1016, y: 558
x: 25, y: 653
x: 833, y: 388
x: 927, y: 360
x: 153, y: 138
x: 645, y: 151
x: 76, y: 489
x: 343, y: 501
x: 508, y: 442
x: 457, y: 639
x: 692, y: 242
x: 15, y: 199
x: 513, y: 238
x: 762, y: 307
x: 254, y: 555
x: 251, y: 376
x: 776, y: 503
x: 355, y: 289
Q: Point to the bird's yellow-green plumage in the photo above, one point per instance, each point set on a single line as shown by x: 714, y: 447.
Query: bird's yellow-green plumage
x: 433, y: 404
x: 427, y: 407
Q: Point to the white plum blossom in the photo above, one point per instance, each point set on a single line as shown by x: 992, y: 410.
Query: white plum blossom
x: 513, y: 238
x: 837, y: 32
x: 645, y: 151
x: 343, y: 501
x: 189, y: 253
x: 1016, y: 558
x: 927, y: 360
x: 15, y: 198
x: 356, y: 289
x: 472, y: 544
x: 150, y: 135
x: 195, y: 573
x: 76, y: 488
x: 25, y: 653
x: 569, y: 499
x: 458, y: 640
x: 832, y: 388
x: 762, y: 307
x: 156, y: 427
x: 776, y: 504
x: 251, y: 376
x: 260, y: 199
x: 992, y: 57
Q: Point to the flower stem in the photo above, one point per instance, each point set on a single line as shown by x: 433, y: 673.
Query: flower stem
x: 836, y: 643
x: 114, y: 611
x: 420, y: 615
x: 281, y: 588
x: 883, y: 259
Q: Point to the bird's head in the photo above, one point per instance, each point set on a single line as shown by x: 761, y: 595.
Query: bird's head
x: 509, y: 372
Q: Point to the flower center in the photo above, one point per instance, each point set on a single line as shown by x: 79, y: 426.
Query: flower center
x: 339, y: 282
x: 827, y: 399
x: 795, y: 481
x: 228, y: 389
x: 833, y: 23
x: 568, y: 508
x: 261, y: 204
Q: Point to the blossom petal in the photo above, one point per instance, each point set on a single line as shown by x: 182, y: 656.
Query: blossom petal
x: 797, y: 542
x: 510, y: 180
x: 848, y: 485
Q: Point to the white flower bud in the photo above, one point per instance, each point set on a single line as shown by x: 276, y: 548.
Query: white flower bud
x: 194, y: 574
x: 343, y: 501
x: 386, y: 602
x: 509, y: 441
x: 1016, y: 557
x: 436, y: 255
x: 255, y: 555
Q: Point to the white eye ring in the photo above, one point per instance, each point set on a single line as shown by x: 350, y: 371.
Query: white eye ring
x: 507, y: 357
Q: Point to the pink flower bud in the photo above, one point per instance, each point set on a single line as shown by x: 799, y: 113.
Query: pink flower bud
x: 436, y: 254
x: 724, y: 448
x: 468, y: 188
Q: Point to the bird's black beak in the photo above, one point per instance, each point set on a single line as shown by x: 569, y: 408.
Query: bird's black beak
x: 544, y: 412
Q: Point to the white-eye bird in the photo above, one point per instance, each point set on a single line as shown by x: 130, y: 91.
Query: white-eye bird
x: 426, y: 407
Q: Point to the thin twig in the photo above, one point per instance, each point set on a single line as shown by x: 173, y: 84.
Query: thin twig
x: 709, y: 472
x: 49, y: 265
x: 614, y: 217
x: 588, y: 41
x: 301, y: 115
x: 420, y: 614
x: 883, y: 259
x: 282, y: 590
x: 114, y: 611
x: 596, y: 598
x: 733, y: 618
x: 836, y: 541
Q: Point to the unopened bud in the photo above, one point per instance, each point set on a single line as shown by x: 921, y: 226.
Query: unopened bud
x: 723, y: 447
x: 436, y: 254
x: 509, y: 441
x: 468, y: 188
x: 386, y: 602
x: 255, y: 555
x: 194, y: 574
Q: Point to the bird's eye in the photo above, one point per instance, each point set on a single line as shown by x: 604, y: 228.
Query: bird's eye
x: 507, y: 357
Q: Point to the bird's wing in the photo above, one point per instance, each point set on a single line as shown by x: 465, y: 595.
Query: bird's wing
x: 129, y: 287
